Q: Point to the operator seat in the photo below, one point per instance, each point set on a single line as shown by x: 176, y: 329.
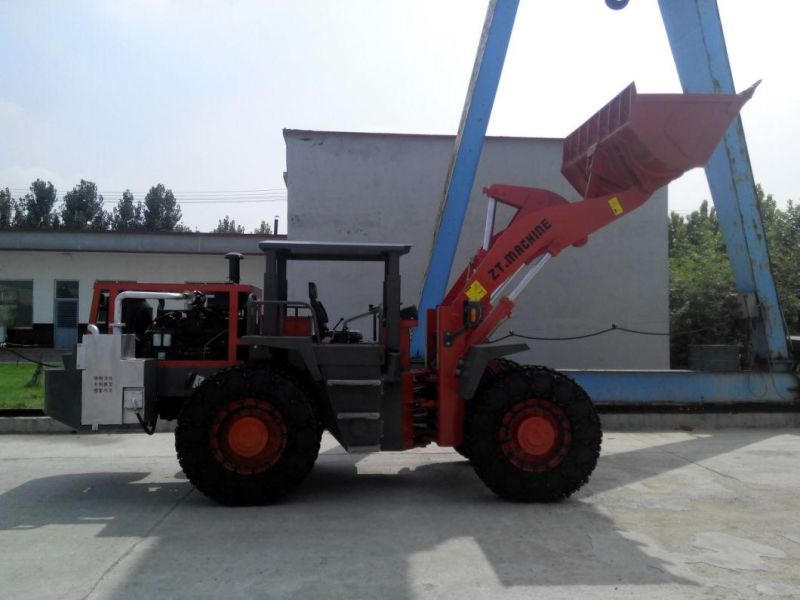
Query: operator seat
x: 319, y: 311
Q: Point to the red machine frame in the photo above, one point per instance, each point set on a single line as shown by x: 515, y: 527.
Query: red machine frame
x: 113, y: 288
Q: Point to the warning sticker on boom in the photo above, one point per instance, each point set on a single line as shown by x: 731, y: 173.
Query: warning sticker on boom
x: 476, y: 291
x: 616, y: 207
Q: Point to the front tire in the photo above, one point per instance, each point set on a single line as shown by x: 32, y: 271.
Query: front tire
x: 495, y: 367
x: 533, y: 435
x: 248, y: 435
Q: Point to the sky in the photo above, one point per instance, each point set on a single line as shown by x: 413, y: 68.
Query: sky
x: 195, y: 95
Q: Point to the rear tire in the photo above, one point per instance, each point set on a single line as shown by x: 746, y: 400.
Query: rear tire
x: 533, y: 434
x: 248, y: 435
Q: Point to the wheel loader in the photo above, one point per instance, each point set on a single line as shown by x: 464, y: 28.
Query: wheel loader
x: 254, y: 377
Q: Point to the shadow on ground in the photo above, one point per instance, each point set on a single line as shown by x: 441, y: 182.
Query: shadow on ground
x: 350, y: 532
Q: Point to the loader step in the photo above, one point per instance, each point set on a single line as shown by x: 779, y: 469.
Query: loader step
x: 369, y: 416
x: 355, y: 382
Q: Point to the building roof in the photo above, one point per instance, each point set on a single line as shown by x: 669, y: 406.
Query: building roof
x: 138, y: 242
x: 310, y: 133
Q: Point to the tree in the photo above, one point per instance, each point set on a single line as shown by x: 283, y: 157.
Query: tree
x: 161, y: 211
x: 702, y: 289
x: 83, y: 208
x: 783, y: 239
x: 7, y: 206
x: 127, y: 216
x: 19, y: 221
x: 228, y: 225
x: 263, y: 229
x: 701, y: 295
x: 38, y: 206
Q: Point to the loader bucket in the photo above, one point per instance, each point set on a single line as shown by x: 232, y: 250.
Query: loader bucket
x: 647, y: 140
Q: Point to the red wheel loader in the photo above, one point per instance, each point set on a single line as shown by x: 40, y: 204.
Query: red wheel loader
x: 254, y: 378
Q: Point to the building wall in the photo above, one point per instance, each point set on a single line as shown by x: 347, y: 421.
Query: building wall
x: 387, y: 188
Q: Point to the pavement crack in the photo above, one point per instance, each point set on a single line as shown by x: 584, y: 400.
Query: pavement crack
x: 135, y: 544
x: 702, y: 466
x: 688, y: 460
x: 790, y: 539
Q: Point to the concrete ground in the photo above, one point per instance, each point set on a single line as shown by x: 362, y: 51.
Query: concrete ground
x: 666, y: 515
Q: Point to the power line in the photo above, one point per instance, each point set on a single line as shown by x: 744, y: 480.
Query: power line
x: 231, y: 201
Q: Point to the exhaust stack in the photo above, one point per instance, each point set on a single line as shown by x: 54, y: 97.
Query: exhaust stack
x: 233, y: 259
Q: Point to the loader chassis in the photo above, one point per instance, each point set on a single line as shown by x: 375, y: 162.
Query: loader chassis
x: 254, y: 378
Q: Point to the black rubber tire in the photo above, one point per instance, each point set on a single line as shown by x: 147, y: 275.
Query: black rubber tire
x: 288, y: 398
x: 493, y: 403
x: 494, y: 368
x: 497, y: 366
x: 462, y: 450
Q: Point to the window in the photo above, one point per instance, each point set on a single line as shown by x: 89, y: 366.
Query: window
x: 16, y: 303
x: 66, y: 289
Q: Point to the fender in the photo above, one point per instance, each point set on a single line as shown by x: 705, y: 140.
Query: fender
x: 475, y: 364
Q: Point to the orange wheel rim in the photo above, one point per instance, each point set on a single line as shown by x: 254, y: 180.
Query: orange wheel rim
x: 248, y: 436
x: 535, y: 435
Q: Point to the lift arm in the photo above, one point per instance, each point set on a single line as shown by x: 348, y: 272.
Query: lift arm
x: 633, y: 146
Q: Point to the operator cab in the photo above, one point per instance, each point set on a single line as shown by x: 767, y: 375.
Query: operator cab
x: 361, y: 380
x: 280, y: 316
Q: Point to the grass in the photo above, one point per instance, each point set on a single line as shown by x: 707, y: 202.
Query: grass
x: 13, y: 393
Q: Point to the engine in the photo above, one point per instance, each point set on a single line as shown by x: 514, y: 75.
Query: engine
x: 197, y: 332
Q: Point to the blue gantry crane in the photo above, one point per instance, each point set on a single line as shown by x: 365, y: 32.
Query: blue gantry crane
x: 697, y: 42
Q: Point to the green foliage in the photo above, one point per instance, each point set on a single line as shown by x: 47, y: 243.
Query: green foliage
x: 702, y: 288
x: 161, y: 211
x: 7, y: 206
x: 701, y: 284
x: 783, y: 237
x: 228, y: 225
x: 37, y: 206
x: 263, y: 229
x: 18, y: 222
x: 33, y: 211
x: 13, y: 390
x: 128, y: 215
x: 83, y: 208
